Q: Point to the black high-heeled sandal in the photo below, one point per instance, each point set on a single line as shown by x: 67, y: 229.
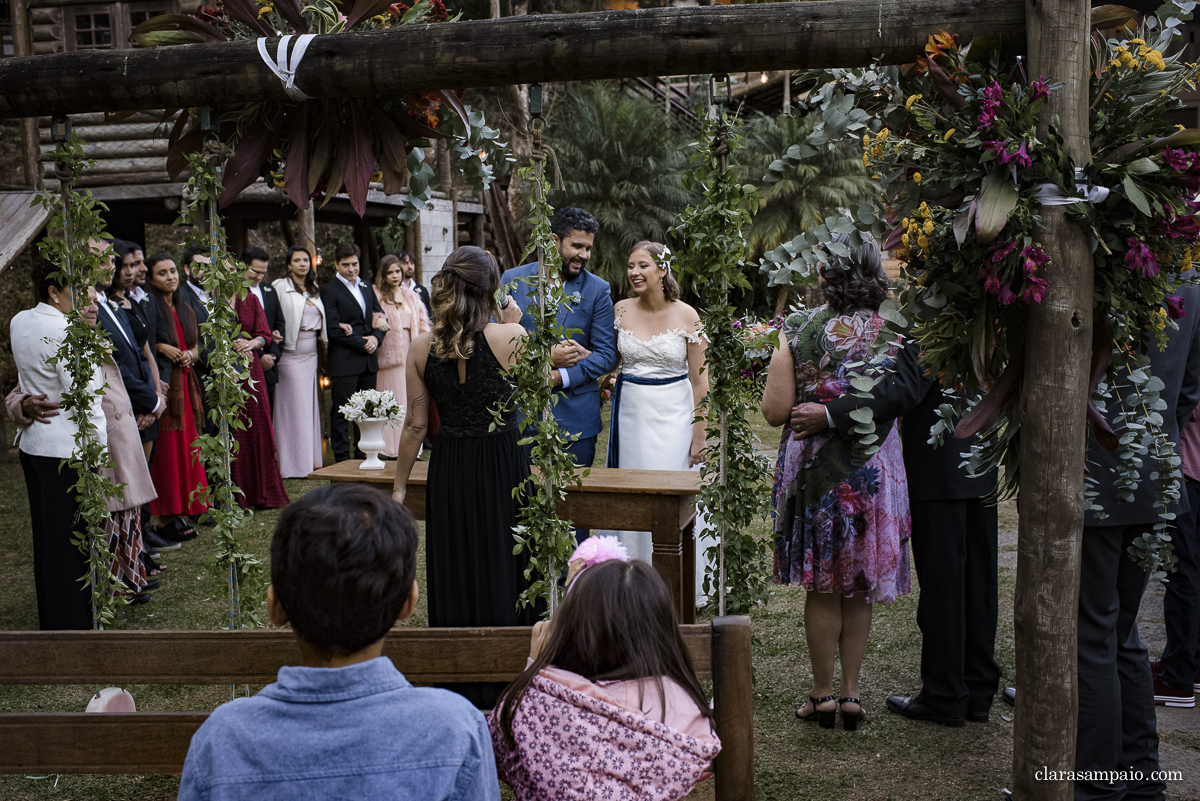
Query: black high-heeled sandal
x: 850, y: 720
x: 826, y: 717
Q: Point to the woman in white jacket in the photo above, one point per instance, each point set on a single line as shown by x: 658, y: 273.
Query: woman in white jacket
x: 64, y: 602
x: 297, y: 413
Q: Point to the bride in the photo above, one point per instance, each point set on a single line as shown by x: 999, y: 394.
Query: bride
x: 660, y: 386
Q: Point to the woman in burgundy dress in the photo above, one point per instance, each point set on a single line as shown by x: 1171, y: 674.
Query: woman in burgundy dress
x: 176, y: 467
x: 255, y: 468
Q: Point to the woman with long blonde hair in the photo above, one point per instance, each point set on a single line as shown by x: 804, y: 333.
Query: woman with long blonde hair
x: 406, y: 320
x: 472, y: 576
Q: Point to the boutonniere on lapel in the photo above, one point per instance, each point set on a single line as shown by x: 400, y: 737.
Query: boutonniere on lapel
x: 574, y: 299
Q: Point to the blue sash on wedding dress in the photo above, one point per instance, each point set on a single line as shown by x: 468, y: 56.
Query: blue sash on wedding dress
x: 614, y: 437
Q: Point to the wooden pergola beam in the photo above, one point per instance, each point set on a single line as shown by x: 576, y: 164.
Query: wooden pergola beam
x: 501, y: 52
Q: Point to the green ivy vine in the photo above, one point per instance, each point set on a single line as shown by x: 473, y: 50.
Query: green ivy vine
x: 76, y: 220
x: 712, y: 259
x: 548, y: 538
x: 224, y: 388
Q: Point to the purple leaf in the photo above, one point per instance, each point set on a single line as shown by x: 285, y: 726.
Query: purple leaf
x: 360, y: 158
x: 946, y: 87
x: 997, y: 400
x: 247, y: 161
x: 322, y: 148
x: 246, y: 12
x: 295, y: 170
x: 172, y: 29
x: 453, y: 102
x: 290, y: 11
x: 365, y: 9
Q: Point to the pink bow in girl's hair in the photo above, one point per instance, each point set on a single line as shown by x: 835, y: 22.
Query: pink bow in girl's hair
x: 593, y: 551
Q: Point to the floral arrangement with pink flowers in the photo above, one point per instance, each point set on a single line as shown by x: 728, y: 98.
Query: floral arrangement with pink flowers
x: 966, y: 165
x: 760, y: 339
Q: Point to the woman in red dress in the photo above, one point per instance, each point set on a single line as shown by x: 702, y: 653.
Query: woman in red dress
x: 176, y: 469
x: 255, y: 468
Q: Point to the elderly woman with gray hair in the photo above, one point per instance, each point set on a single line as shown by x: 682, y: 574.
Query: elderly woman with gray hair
x: 841, y: 525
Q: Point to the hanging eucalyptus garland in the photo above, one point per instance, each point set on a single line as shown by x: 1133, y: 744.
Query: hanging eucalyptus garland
x: 712, y: 259
x: 225, y: 393
x: 539, y: 529
x: 76, y: 220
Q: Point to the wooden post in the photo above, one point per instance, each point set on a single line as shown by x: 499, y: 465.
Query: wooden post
x: 477, y: 238
x: 1053, y: 436
x: 306, y: 230
x: 22, y: 46
x: 515, y: 50
x: 733, y: 700
x: 787, y: 93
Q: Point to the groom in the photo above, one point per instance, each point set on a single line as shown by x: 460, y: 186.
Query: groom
x: 591, y: 351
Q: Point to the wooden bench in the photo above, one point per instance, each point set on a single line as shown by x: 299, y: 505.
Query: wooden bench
x: 658, y: 501
x: 78, y: 742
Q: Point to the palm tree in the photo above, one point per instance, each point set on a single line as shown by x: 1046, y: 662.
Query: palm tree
x: 623, y: 162
x: 809, y: 193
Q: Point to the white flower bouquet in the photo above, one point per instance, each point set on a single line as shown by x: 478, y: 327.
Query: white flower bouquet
x: 373, y: 404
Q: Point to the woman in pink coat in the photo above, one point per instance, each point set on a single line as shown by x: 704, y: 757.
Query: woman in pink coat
x: 406, y: 319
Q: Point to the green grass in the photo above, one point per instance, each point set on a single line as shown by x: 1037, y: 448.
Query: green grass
x: 888, y: 758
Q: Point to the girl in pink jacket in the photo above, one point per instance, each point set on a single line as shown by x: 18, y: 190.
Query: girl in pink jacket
x: 610, y: 706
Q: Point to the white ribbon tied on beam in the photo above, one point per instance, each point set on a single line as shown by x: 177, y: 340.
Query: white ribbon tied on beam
x: 285, y: 68
x: 1052, y: 194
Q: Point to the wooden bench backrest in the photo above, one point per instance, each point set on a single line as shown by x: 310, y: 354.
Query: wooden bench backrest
x: 83, y: 743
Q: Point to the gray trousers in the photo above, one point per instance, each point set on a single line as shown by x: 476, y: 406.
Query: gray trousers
x: 1117, y: 725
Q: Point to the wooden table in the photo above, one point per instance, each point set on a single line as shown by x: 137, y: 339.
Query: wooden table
x: 658, y: 501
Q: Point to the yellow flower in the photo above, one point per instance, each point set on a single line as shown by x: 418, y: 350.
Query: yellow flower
x: 866, y: 139
x: 922, y: 242
x: 904, y: 238
x: 917, y: 177
x: 883, y: 134
x: 377, y: 176
x: 924, y: 209
x: 1180, y: 128
x: 1114, y: 63
x: 1133, y: 42
x: 908, y: 104
x: 267, y: 9
x: 866, y: 159
x: 928, y: 227
x: 949, y: 134
x: 1155, y: 59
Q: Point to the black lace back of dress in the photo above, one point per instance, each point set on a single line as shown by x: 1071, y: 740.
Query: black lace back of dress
x: 466, y: 408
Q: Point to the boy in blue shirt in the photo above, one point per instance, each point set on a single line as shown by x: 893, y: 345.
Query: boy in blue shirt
x: 345, y: 724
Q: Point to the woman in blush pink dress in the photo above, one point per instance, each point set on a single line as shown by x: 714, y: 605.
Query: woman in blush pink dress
x: 406, y: 319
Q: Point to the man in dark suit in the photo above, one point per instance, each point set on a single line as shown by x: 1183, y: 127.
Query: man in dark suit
x: 256, y: 261
x: 193, y: 263
x: 409, y: 265
x: 136, y: 375
x: 1117, y: 728
x: 350, y: 309
x: 954, y: 545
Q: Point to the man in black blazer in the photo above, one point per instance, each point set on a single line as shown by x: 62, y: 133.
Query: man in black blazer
x: 256, y: 261
x: 350, y: 309
x: 954, y: 545
x: 193, y: 263
x: 136, y: 375
x: 409, y: 265
x: 1117, y: 729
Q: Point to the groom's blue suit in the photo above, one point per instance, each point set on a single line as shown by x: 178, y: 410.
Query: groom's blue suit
x: 578, y: 408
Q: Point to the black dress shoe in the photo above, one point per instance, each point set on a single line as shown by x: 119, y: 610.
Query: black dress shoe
x: 140, y: 598
x: 152, y: 584
x: 1009, y: 694
x: 913, y: 708
x: 153, y: 539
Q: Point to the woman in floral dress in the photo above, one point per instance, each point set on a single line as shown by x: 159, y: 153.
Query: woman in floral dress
x: 841, y: 525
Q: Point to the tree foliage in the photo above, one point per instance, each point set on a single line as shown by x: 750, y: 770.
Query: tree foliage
x: 623, y: 162
x: 807, y: 189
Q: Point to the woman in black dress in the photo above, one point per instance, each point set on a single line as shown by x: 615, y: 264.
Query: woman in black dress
x: 472, y: 575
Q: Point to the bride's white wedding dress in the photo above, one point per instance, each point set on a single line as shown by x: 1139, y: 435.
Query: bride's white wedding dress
x: 651, y: 426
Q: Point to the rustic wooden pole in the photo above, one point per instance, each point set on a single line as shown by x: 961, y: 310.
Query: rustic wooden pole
x: 1053, y: 434
x: 22, y: 46
x: 503, y: 52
